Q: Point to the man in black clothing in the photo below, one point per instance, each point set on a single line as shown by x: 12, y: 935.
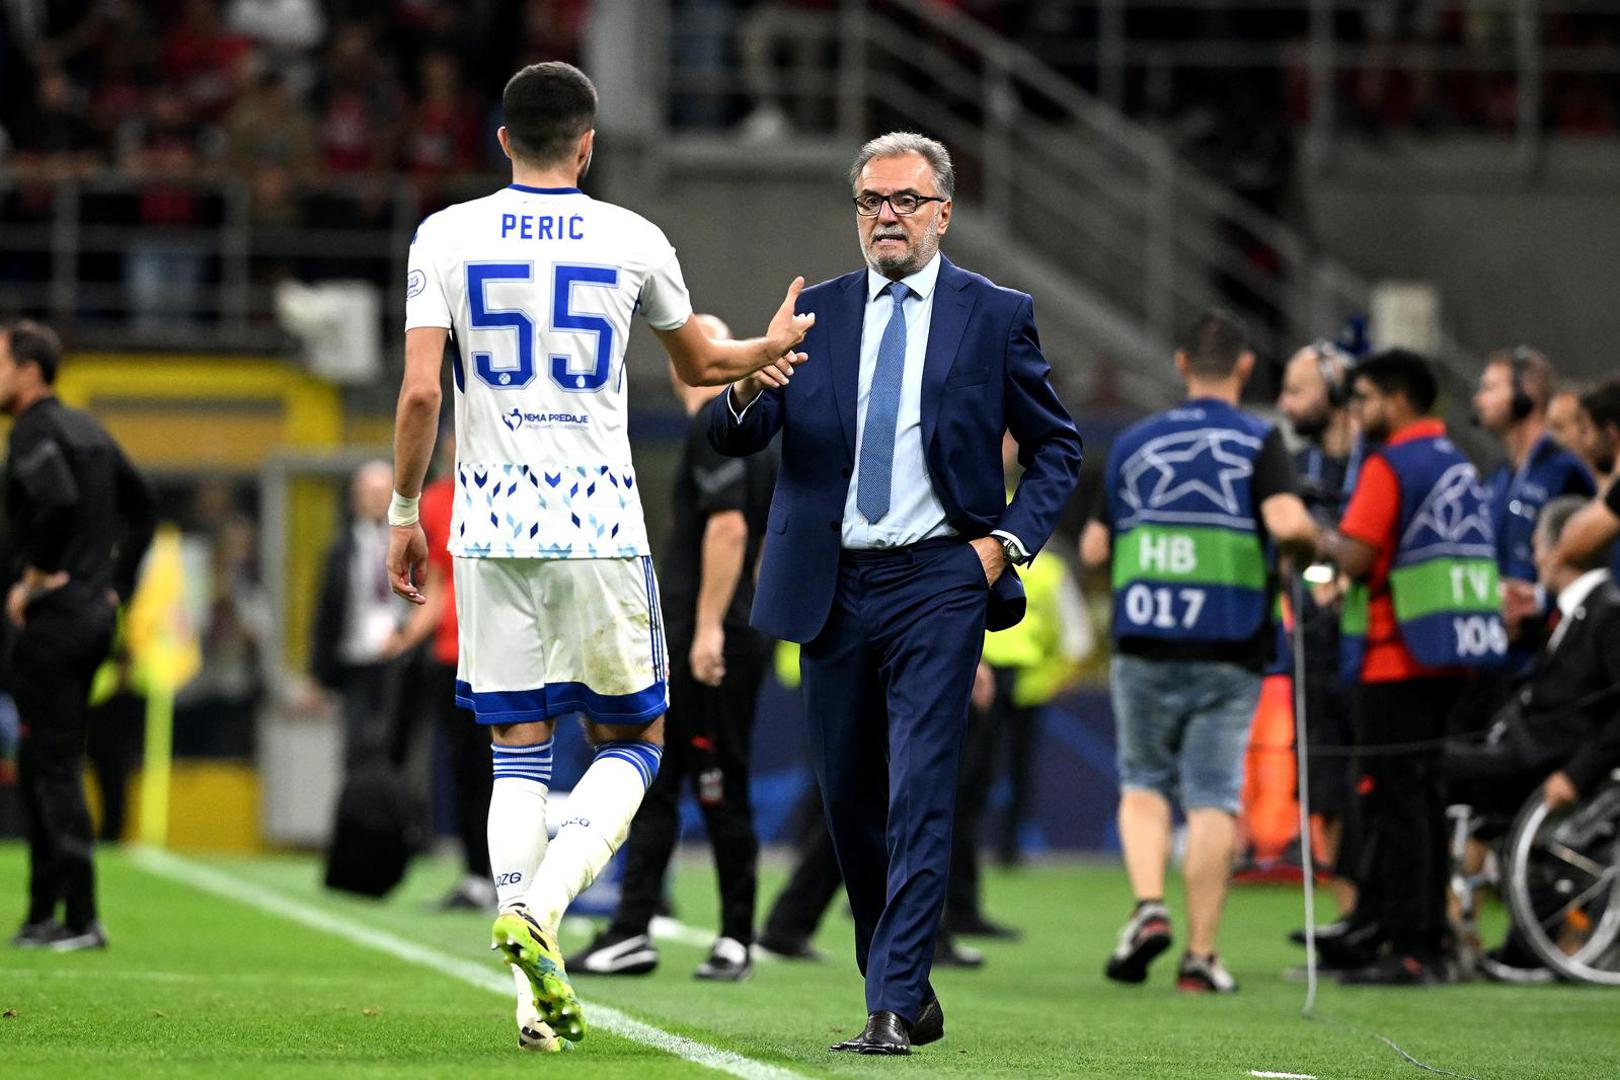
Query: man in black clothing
x: 717, y: 662
x: 1315, y: 401
x: 356, y: 619
x: 79, y: 519
x: 1561, y: 732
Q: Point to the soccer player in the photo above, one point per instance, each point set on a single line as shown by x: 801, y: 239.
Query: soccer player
x: 555, y: 593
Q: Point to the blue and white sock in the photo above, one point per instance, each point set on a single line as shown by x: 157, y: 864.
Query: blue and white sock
x: 517, y: 817
x: 599, y: 812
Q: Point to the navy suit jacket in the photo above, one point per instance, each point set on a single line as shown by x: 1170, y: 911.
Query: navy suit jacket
x: 983, y: 374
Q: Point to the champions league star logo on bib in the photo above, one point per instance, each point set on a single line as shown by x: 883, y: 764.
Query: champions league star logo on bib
x: 1455, y: 515
x: 1192, y: 473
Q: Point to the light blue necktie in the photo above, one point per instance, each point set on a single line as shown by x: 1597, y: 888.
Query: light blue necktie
x: 882, y: 409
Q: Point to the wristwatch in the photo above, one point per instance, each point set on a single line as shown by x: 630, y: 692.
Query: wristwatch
x: 1016, y: 555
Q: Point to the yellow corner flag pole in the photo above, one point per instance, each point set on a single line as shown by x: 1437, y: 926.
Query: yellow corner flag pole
x: 164, y: 655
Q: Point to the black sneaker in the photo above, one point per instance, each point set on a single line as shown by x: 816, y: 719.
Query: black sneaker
x: 790, y: 948
x: 1204, y: 975
x: 1333, y: 931
x: 91, y: 937
x: 469, y: 894
x: 1142, y: 939
x: 951, y: 953
x: 979, y: 926
x: 37, y: 935
x: 1356, y: 947
x: 1397, y: 969
x: 615, y: 954
x: 728, y: 962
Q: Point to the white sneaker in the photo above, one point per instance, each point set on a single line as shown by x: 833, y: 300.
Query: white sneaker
x: 1206, y: 976
x: 728, y: 962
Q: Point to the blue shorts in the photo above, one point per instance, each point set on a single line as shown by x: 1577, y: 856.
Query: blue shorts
x: 1183, y: 728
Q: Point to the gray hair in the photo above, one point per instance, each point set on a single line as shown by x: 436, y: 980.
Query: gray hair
x: 1550, y: 526
x: 898, y: 143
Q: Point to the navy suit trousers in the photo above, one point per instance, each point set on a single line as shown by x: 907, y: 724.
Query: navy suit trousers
x: 886, y: 688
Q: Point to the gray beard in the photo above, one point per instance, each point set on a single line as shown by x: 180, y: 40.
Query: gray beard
x: 902, y: 266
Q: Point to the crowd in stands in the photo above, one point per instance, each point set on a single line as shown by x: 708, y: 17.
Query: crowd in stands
x: 284, y: 92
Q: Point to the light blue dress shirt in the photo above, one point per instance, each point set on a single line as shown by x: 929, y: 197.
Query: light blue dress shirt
x: 914, y: 513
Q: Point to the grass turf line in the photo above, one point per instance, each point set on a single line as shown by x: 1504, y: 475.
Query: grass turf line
x: 243, y: 992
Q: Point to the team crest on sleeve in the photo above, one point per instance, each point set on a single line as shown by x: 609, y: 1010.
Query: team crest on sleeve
x: 1189, y: 475
x: 415, y: 284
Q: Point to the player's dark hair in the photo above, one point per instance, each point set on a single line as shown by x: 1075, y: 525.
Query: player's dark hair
x: 547, y: 107
x: 1213, y: 344
x: 1403, y: 372
x: 1602, y: 404
x: 37, y: 344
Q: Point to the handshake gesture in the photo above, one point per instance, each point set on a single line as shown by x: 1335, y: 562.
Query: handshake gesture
x: 787, y: 329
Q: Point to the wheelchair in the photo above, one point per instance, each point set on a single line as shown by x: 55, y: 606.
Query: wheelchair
x: 1559, y: 872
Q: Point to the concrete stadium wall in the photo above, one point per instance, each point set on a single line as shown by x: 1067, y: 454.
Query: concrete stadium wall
x: 1516, y: 258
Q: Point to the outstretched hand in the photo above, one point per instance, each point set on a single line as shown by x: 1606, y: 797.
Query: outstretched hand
x: 788, y: 327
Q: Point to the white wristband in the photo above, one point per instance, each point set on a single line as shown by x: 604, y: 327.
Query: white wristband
x: 402, y: 511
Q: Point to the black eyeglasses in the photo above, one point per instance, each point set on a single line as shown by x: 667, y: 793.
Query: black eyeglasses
x: 904, y: 203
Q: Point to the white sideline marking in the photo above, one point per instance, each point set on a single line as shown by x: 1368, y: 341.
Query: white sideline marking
x: 1281, y: 1076
x: 208, y: 879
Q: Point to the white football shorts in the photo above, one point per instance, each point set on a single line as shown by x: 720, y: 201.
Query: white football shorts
x: 542, y: 638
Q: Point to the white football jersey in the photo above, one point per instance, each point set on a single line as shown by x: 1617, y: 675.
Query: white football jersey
x: 538, y: 286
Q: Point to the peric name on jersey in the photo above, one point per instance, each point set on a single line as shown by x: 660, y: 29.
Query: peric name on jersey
x: 543, y: 226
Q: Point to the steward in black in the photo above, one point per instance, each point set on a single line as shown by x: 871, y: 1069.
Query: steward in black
x: 79, y: 519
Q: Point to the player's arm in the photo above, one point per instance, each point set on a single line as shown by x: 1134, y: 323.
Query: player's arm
x: 1095, y: 543
x: 725, y: 541
x: 416, y: 421
x: 1369, y: 517
x: 1290, y: 526
x: 702, y: 361
x: 1097, y: 538
x: 1275, y: 485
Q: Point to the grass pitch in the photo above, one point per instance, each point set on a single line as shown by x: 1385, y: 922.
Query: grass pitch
x: 198, y: 984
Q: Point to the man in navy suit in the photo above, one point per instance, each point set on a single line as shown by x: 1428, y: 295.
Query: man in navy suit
x: 889, y: 545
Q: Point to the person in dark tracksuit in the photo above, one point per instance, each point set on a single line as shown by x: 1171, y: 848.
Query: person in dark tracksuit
x: 717, y: 662
x: 79, y: 520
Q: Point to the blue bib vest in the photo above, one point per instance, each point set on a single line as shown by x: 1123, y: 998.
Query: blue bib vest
x: 1443, y: 580
x: 1188, y: 564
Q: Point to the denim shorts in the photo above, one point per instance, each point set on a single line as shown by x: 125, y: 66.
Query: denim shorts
x: 1183, y: 728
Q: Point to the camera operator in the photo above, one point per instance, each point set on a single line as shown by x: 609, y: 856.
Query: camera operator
x: 1315, y: 400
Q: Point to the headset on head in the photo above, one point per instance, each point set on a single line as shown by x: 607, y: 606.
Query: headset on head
x: 1337, y: 367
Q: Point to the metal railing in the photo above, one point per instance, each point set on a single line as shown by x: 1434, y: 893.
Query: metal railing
x: 1324, y: 47
x: 1062, y: 176
x: 82, y: 251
